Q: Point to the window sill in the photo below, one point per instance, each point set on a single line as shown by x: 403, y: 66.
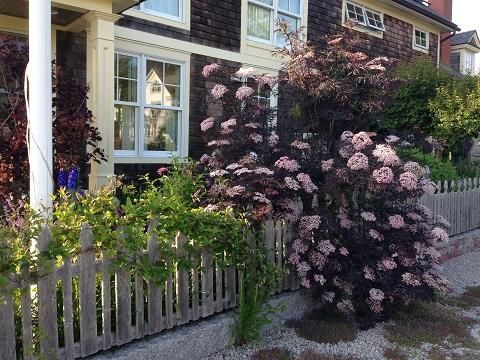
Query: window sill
x: 159, y: 19
x: 365, y: 30
x: 420, y: 49
x: 146, y: 160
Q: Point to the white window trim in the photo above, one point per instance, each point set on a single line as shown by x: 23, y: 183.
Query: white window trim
x: 182, y: 22
x: 365, y: 24
x: 274, y: 8
x: 414, y: 38
x: 140, y: 105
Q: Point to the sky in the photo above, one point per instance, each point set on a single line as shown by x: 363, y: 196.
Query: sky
x: 466, y: 14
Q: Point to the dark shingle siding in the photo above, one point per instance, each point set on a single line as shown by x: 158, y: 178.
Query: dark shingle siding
x: 325, y: 17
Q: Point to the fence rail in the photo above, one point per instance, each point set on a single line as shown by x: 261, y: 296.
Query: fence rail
x: 458, y: 201
x: 114, y: 309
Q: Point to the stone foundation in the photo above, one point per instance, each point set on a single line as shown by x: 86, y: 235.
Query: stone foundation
x: 460, y: 244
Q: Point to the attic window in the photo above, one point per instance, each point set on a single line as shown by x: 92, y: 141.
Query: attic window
x: 364, y: 16
x: 420, y: 39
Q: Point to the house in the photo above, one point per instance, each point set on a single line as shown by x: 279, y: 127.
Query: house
x: 465, y: 46
x: 143, y: 59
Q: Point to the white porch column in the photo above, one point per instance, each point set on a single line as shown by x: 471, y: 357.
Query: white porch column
x: 100, y: 72
x: 40, y: 104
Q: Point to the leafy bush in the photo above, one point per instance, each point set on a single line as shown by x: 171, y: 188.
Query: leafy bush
x: 334, y: 86
x: 72, y: 124
x: 409, y: 109
x: 456, y: 107
x: 365, y: 242
x: 439, y: 170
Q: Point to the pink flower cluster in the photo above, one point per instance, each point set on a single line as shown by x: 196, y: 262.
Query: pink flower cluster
x: 309, y: 223
x: 292, y: 184
x: 411, y: 279
x: 288, y: 164
x: 267, y: 79
x: 361, y: 140
x: 245, y: 72
x: 209, y: 70
x: 327, y: 165
x: 307, y: 183
x: 396, y: 221
x: 386, y: 154
x: 358, y: 161
x: 273, y: 139
x: 218, y: 91
x: 301, y: 145
x: 256, y: 138
x: 244, y: 92
x: 383, y: 175
x: 368, y: 216
x: 228, y: 123
x: 408, y: 180
x: 376, y: 294
x: 440, y: 234
x: 207, y: 124
x: 413, y: 167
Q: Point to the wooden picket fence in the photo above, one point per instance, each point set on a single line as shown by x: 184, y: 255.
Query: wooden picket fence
x: 458, y: 201
x: 115, y: 309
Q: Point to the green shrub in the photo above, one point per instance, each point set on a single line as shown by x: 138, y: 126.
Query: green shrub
x: 409, y: 108
x: 439, y: 170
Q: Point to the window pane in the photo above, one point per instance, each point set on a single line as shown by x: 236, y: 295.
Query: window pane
x: 283, y: 4
x: 154, y: 82
x: 292, y: 26
x: 295, y: 6
x: 259, y: 22
x: 172, y: 74
x: 172, y: 95
x: 124, y: 127
x: 169, y: 7
x: 355, y: 13
x: 126, y: 90
x: 127, y: 66
x: 161, y: 130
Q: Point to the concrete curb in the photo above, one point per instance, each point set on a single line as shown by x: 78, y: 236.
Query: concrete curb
x: 201, y: 339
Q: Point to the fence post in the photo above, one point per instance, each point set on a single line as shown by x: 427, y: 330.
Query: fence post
x: 7, y: 329
x: 88, y: 304
x: 47, y: 300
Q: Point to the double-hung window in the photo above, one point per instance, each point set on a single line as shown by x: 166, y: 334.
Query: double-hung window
x: 149, y: 106
x: 263, y: 15
x: 363, y: 16
x: 420, y: 39
x: 170, y: 9
x: 469, y: 62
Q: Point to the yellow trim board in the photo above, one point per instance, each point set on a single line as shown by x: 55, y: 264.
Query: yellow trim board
x: 153, y: 40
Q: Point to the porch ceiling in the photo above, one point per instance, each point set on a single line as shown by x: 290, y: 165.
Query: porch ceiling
x: 19, y: 8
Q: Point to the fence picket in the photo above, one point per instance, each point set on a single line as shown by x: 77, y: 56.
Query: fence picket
x: 7, y: 330
x: 139, y: 307
x: 47, y: 301
x: 169, y: 294
x: 207, y: 285
x: 182, y: 283
x: 88, y: 303
x: 218, y: 288
x: 155, y: 323
x: 230, y: 287
x: 124, y: 309
x: 195, y: 292
x: 67, y: 292
x: 106, y: 302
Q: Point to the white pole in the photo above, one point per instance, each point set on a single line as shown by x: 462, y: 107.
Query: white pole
x: 40, y: 105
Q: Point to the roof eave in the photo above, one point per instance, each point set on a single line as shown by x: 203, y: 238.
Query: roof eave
x: 420, y: 9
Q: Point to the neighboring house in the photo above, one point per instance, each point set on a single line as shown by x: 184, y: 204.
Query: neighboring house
x: 465, y: 46
x: 143, y: 60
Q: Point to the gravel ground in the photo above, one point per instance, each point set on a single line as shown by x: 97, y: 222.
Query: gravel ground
x: 463, y: 272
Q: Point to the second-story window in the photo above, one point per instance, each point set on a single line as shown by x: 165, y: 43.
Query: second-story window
x: 263, y: 14
x: 421, y: 39
x: 363, y: 16
x: 170, y: 9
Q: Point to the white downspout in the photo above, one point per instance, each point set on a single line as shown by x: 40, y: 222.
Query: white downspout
x: 39, y: 72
